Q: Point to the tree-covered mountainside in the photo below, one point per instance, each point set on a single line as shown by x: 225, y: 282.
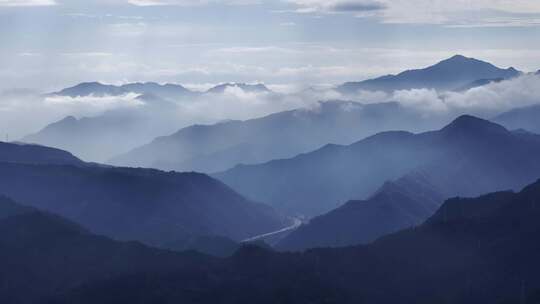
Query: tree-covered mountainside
x: 479, y: 250
x: 469, y: 156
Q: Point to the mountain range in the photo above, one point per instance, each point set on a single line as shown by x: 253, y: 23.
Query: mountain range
x: 136, y: 138
x: 166, y: 91
x: 43, y: 254
x: 455, y: 73
x: 151, y: 206
x: 98, y: 138
x: 524, y: 118
x: 474, y: 250
x: 469, y: 156
x: 35, y: 154
x: 213, y: 148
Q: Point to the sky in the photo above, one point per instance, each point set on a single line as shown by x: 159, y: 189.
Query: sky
x: 51, y: 44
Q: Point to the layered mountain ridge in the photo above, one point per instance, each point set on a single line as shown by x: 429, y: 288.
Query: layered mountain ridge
x: 151, y: 206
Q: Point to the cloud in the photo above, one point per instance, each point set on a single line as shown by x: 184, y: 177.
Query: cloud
x: 94, y: 104
x: 190, y: 2
x: 487, y: 100
x: 23, y: 112
x: 456, y: 13
x: 290, y: 23
x: 337, y: 6
x: 355, y: 6
x: 128, y: 29
x: 478, y: 13
x: 15, y: 3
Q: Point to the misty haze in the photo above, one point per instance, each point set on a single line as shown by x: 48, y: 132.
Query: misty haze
x: 269, y: 151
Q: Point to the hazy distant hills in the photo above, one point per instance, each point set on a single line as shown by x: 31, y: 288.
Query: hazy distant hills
x: 122, y: 136
x: 526, y: 118
x: 91, y: 138
x: 95, y: 138
x: 469, y: 156
x: 248, y: 88
x: 100, y: 137
x: 480, y: 250
x: 165, y: 91
x: 132, y: 204
x: 450, y: 74
x: 212, y: 148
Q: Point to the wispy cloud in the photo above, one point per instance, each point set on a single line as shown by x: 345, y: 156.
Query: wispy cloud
x: 337, y: 6
x: 487, y: 100
x: 190, y: 2
x: 462, y: 12
x: 14, y: 3
x: 456, y: 13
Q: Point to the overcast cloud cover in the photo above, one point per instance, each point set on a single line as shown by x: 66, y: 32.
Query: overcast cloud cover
x: 278, y: 42
x: 288, y: 44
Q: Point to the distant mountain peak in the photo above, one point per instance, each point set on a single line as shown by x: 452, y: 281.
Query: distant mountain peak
x: 69, y: 119
x: 88, y: 84
x: 257, y: 87
x: 471, y: 124
x: 459, y: 61
x: 459, y: 58
x: 449, y: 74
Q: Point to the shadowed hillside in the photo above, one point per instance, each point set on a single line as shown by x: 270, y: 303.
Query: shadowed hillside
x: 481, y: 250
x: 470, y: 156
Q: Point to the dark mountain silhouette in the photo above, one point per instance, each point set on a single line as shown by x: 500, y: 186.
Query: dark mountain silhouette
x: 217, y: 246
x: 137, y: 204
x: 35, y: 154
x: 481, y: 250
x: 218, y: 147
x: 147, y: 205
x: 469, y: 156
x: 167, y: 91
x: 9, y: 208
x: 248, y: 88
x: 42, y: 255
x: 448, y: 74
x: 526, y: 118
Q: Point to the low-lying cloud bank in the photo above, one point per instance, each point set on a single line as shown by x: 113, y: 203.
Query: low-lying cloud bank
x: 485, y: 101
x: 23, y: 112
